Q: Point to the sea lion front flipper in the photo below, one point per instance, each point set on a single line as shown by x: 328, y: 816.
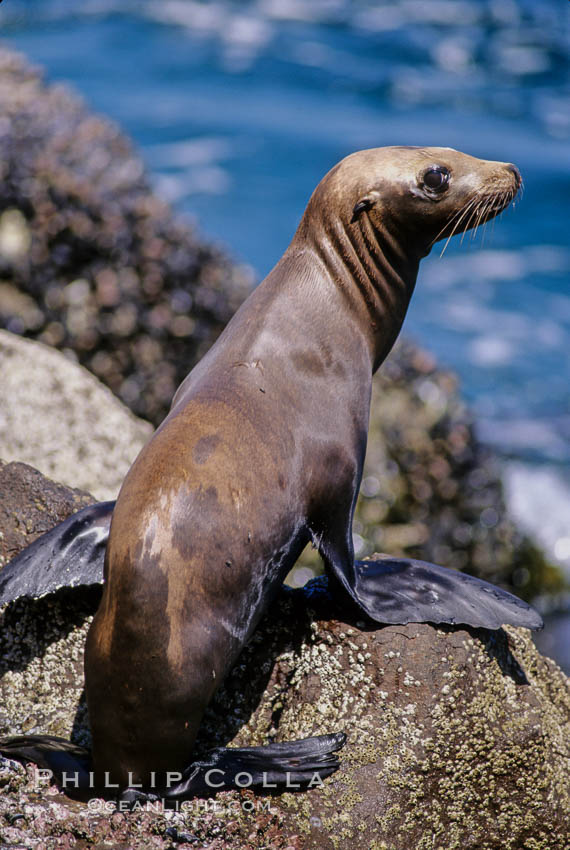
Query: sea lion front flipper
x: 70, y: 554
x: 403, y: 590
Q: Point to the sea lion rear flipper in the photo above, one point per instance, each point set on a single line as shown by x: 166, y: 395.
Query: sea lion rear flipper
x: 403, y: 590
x: 55, y: 754
x: 70, y: 554
x: 293, y: 765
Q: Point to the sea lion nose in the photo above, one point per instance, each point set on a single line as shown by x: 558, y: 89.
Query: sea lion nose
x: 514, y: 170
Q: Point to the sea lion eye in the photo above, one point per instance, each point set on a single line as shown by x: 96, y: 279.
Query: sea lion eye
x: 436, y: 178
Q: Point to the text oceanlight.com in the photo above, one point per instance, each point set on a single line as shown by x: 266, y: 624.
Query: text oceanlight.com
x: 188, y: 807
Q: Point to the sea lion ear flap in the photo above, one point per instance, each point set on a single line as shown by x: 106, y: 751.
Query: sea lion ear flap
x: 363, y: 204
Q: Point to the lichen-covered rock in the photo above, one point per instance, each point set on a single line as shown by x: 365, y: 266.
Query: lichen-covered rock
x: 457, y: 738
x: 59, y: 418
x: 90, y: 259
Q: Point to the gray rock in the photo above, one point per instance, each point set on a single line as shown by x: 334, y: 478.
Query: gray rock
x: 59, y: 418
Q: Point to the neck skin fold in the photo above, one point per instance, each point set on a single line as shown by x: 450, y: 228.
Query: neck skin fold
x: 370, y: 268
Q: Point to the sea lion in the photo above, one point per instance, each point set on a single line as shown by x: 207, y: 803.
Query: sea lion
x: 262, y: 452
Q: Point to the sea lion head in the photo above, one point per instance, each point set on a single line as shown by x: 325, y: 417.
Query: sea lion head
x: 417, y: 195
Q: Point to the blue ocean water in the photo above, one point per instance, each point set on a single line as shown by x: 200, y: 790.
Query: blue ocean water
x: 239, y: 108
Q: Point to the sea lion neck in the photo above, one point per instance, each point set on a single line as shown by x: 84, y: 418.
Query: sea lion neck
x: 373, y: 267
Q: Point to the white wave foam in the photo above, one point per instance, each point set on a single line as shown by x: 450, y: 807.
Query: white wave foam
x: 208, y: 180
x: 538, y: 498
x: 206, y: 18
x: 301, y: 10
x: 523, y: 436
x: 489, y: 265
x: 204, y: 150
x: 491, y: 351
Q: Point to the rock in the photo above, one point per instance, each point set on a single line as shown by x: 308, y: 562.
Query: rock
x: 90, y: 259
x: 41, y: 643
x: 31, y: 504
x: 62, y: 420
x: 458, y: 738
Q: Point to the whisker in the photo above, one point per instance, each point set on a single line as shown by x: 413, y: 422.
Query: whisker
x: 500, y: 202
x: 477, y: 219
x: 464, y: 212
x: 455, y: 215
x: 477, y: 211
x: 483, y: 209
x: 471, y: 218
x: 468, y: 210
